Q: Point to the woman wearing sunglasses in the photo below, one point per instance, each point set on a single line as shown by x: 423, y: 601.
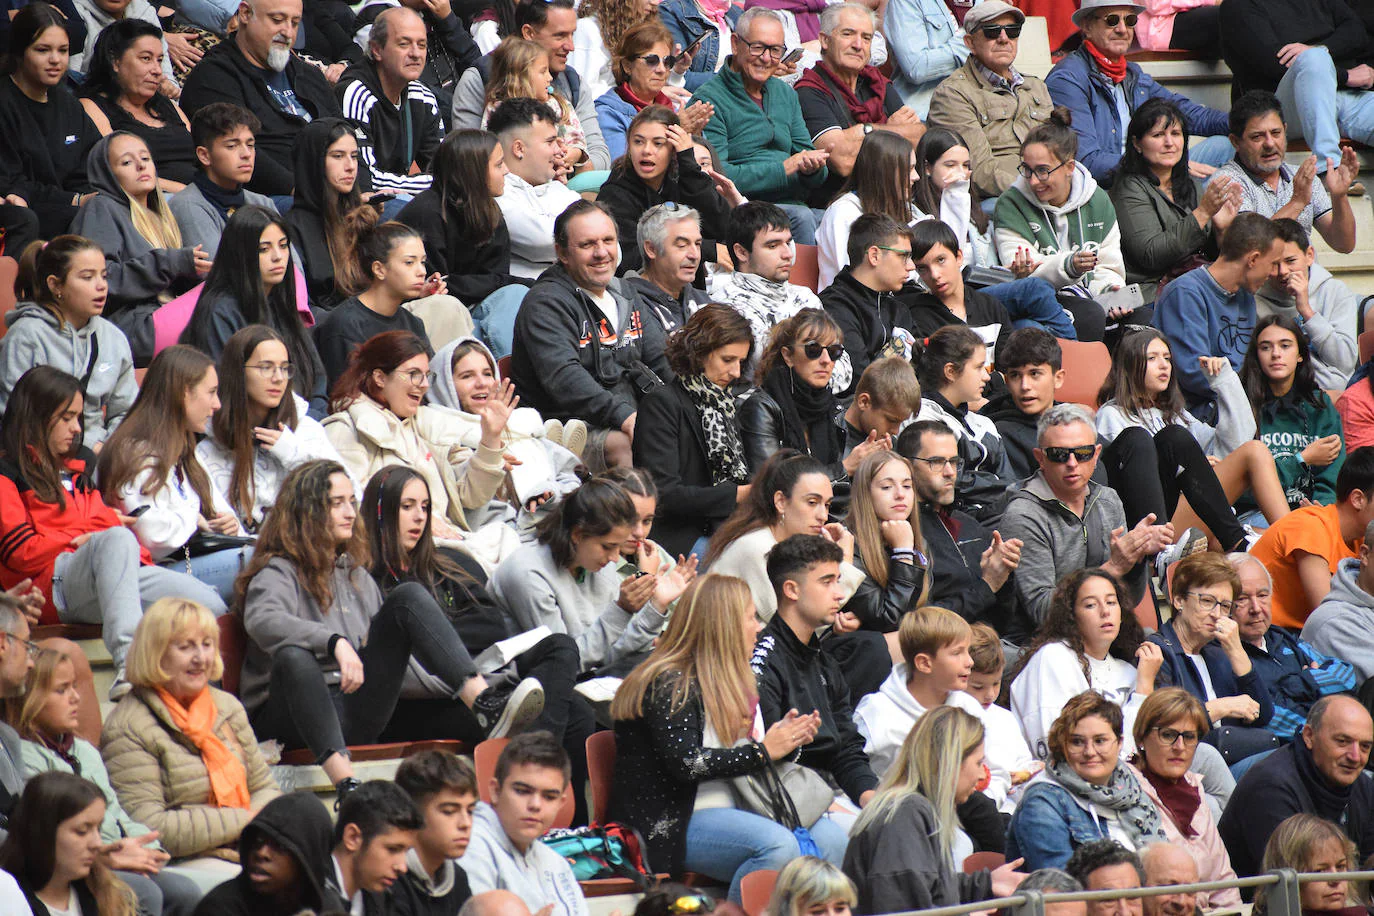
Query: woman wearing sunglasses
x: 1168, y: 727
x: 1157, y: 451
x: 642, y: 63
x: 1085, y: 643
x: 1203, y: 591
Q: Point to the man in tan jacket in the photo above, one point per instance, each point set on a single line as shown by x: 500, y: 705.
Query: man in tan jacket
x: 987, y: 102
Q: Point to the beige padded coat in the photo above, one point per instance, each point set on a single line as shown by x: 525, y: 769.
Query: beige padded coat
x: 161, y: 781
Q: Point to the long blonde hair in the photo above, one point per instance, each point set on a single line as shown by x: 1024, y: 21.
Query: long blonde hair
x: 511, y: 64
x: 704, y: 648
x: 928, y: 765
x: 155, y: 221
x: 863, y: 520
x: 21, y: 712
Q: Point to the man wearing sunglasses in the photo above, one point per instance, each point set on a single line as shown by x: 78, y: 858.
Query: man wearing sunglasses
x: 988, y: 101
x: 1066, y: 520
x: 1103, y: 89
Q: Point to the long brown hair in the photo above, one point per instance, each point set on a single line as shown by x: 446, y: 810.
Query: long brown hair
x: 1061, y: 623
x: 1125, y: 383
x: 703, y: 649
x: 779, y: 474
x: 298, y: 530
x: 616, y: 19
x: 808, y: 324
x: 232, y: 426
x: 156, y: 429
x: 460, y: 179
x: 38, y: 398
x: 863, y: 520
x: 881, y: 177
x: 380, y: 510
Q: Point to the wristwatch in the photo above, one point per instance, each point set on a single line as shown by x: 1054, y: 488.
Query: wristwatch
x: 868, y: 129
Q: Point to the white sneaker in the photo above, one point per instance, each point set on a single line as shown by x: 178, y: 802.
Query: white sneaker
x: 1251, y: 538
x: 553, y: 431
x: 120, y: 688
x: 575, y: 436
x: 1193, y: 541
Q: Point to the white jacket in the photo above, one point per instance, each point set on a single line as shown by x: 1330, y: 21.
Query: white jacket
x: 169, y: 517
x: 1053, y: 676
x: 1004, y: 743
x: 832, y: 235
x: 307, y: 442
x: 530, y: 212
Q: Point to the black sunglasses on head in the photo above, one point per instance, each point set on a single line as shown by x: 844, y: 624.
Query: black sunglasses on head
x: 1060, y: 455
x: 990, y: 32
x: 813, y: 350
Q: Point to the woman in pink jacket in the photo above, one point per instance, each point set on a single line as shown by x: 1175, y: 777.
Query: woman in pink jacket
x: 1180, y: 25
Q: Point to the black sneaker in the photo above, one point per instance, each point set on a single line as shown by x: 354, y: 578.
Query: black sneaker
x: 503, y: 711
x: 342, y: 790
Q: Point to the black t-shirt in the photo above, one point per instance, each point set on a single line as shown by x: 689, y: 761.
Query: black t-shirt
x: 824, y: 111
x: 350, y: 323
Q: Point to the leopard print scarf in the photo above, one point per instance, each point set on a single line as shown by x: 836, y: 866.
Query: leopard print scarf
x: 724, y: 451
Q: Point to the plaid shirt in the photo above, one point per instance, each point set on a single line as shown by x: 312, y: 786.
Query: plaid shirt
x: 1000, y: 83
x: 1297, y: 675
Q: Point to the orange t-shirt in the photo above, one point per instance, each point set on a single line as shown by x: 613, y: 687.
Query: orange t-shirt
x: 1312, y: 529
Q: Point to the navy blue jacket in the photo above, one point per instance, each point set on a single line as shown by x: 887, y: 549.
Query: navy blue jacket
x: 1178, y: 671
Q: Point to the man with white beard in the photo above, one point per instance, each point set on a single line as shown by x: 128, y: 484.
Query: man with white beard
x: 255, y: 69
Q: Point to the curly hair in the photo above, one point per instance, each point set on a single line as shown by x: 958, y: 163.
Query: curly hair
x: 1087, y: 704
x: 710, y: 328
x: 617, y: 17
x: 1061, y: 623
x: 298, y: 530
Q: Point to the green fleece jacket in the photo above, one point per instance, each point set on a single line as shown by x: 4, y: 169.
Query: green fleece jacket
x: 1287, y: 426
x: 753, y: 140
x: 1086, y: 219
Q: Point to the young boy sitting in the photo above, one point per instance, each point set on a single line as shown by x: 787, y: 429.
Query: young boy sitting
x: 1003, y: 742
x: 223, y: 135
x: 934, y: 671
x: 444, y: 788
x: 375, y: 831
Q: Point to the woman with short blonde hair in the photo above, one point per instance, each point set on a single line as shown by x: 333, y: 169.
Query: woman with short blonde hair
x: 1307, y: 843
x: 181, y: 754
x: 807, y: 882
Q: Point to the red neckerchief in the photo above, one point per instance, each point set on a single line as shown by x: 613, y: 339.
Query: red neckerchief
x: 623, y: 90
x: 873, y: 111
x: 1114, y: 70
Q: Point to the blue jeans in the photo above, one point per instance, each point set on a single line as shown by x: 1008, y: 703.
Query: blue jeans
x: 1212, y: 151
x: 1316, y: 110
x: 1031, y: 303
x: 804, y: 222
x: 217, y: 570
x: 494, y: 318
x: 728, y: 844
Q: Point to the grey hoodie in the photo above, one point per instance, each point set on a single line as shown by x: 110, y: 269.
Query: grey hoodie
x: 1342, y: 626
x: 138, y: 272
x: 1055, y: 541
x: 539, y: 876
x: 1331, y: 330
x: 34, y: 338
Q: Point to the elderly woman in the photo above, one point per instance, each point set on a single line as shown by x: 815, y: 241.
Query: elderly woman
x: 1085, y: 793
x: 642, y: 62
x: 1203, y: 593
x: 1168, y: 726
x: 687, y: 434
x: 181, y: 754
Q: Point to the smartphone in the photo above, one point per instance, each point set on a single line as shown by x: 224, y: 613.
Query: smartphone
x: 794, y: 55
x: 696, y: 42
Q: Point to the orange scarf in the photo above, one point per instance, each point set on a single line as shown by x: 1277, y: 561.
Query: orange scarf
x: 228, y: 778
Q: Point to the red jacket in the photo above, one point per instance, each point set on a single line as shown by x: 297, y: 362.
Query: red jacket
x: 33, y: 533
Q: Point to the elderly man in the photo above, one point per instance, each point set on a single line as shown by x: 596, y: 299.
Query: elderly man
x: 670, y: 241
x: 1103, y: 89
x: 1343, y: 624
x: 1295, y: 673
x: 1066, y: 521
x: 450, y: 51
x: 1321, y: 773
x: 1271, y: 188
x: 758, y: 129
x: 1167, y: 865
x: 256, y: 70
x: 383, y: 94
x: 583, y: 346
x: 550, y: 24
x: 843, y: 98
x: 1106, y: 865
x: 987, y: 101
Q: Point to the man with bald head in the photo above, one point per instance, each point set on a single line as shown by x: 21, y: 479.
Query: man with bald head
x: 1167, y: 865
x: 400, y: 114
x: 494, y: 903
x: 255, y: 70
x: 1320, y: 773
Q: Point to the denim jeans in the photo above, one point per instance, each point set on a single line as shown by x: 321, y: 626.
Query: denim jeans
x: 804, y: 222
x: 727, y: 844
x: 1215, y: 151
x: 102, y: 582
x: 1031, y: 303
x: 494, y: 318
x: 217, y: 570
x: 1316, y: 110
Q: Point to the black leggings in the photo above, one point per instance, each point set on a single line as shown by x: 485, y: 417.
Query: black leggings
x: 1197, y: 30
x: 307, y: 710
x: 1151, y: 472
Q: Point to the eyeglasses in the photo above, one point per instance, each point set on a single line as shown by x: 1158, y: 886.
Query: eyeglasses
x: 1170, y: 736
x: 32, y: 649
x: 1112, y: 20
x: 417, y: 378
x: 1040, y: 172
x: 990, y: 32
x: 940, y: 463
x: 813, y: 350
x: 691, y: 905
x: 272, y: 370
x: 1260, y: 596
x: 652, y: 61
x: 904, y: 252
x: 759, y: 49
x: 1206, y: 602
x: 1058, y: 454
x: 1099, y: 743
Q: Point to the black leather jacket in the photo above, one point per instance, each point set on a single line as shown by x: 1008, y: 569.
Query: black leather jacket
x: 880, y: 607
x: 760, y: 431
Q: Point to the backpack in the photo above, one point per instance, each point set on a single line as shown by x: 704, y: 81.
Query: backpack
x: 607, y: 851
